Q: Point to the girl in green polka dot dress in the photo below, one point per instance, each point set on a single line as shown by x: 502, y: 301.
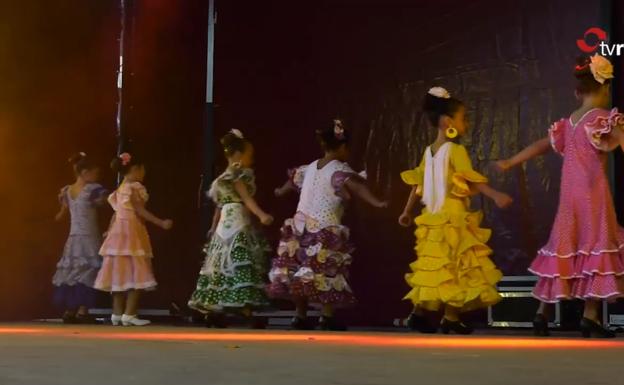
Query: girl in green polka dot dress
x: 233, y: 275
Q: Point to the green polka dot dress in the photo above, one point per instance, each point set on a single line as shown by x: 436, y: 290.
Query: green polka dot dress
x: 234, y: 270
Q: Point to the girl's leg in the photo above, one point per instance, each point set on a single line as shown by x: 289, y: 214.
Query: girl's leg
x: 592, y: 310
x: 540, y: 322
x: 132, y: 304
x: 545, y: 309
x: 301, y: 306
x: 83, y: 311
x: 451, y: 313
x: 119, y: 303
x: 327, y: 311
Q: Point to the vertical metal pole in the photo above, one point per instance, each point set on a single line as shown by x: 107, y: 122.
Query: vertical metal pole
x: 208, y: 147
x: 120, y: 73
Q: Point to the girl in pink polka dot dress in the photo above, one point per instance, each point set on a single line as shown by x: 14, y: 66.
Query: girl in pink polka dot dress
x: 314, y: 253
x: 584, y: 256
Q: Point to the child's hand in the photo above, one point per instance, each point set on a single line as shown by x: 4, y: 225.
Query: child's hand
x: 503, y: 200
x: 502, y: 165
x: 166, y: 224
x: 405, y: 220
x: 266, y: 219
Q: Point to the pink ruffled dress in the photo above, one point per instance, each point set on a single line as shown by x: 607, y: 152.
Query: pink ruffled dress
x: 126, y: 250
x: 584, y: 256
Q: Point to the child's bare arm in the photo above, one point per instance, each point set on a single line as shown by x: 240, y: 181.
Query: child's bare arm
x: 285, y: 188
x: 531, y: 151
x: 251, y: 203
x: 140, y: 209
x: 406, y: 216
x: 501, y: 199
x: 61, y: 213
x: 361, y: 190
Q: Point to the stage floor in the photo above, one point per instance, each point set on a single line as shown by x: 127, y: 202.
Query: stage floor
x: 43, y: 354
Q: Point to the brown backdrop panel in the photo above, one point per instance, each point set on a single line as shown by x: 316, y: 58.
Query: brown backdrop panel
x: 57, y: 98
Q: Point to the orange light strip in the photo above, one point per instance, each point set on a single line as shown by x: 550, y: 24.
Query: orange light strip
x: 363, y: 339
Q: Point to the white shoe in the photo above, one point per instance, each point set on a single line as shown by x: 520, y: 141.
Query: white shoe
x: 132, y: 320
x: 116, y: 319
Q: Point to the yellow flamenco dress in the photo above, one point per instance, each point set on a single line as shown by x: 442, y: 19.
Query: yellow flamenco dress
x: 453, y: 267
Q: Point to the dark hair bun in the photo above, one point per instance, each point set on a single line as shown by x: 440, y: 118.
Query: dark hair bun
x: 585, y: 82
x: 435, y: 107
x: 124, y: 162
x: 333, y: 136
x: 233, y: 142
x: 80, y: 162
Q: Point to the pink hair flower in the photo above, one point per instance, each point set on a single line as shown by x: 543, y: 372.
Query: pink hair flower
x: 125, y: 158
x: 338, y: 129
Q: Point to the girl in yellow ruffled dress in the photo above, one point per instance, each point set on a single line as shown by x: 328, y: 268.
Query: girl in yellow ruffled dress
x: 453, y: 272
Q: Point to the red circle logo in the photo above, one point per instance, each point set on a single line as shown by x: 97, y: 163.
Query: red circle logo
x: 593, y: 34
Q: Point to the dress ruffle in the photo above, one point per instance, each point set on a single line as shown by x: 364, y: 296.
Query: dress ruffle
x: 460, y: 187
x: 313, y: 265
x: 599, y: 130
x: 239, y: 282
x: 556, y: 134
x: 453, y: 266
x: 585, y: 275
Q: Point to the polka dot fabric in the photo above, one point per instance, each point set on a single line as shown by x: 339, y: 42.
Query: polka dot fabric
x: 584, y: 255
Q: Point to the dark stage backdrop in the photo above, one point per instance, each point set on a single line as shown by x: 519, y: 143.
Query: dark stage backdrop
x: 283, y: 69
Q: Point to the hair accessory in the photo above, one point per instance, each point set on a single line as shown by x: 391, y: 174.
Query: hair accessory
x: 82, y: 154
x: 451, y: 132
x: 439, y: 92
x: 237, y: 133
x: 125, y: 158
x: 338, y: 129
x: 601, y: 68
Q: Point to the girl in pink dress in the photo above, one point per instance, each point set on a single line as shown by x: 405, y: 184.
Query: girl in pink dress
x: 583, y: 258
x: 127, y: 267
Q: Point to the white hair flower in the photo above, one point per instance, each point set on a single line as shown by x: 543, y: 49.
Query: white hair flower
x: 601, y: 68
x: 439, y: 92
x: 237, y: 133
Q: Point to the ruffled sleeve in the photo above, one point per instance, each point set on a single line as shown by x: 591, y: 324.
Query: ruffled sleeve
x: 297, y: 175
x: 556, y: 134
x: 62, y: 196
x: 340, y: 176
x: 139, y: 191
x: 463, y: 174
x: 600, y: 131
x: 415, y: 177
x: 97, y: 193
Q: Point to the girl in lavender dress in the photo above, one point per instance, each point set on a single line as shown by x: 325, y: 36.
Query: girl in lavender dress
x: 80, y: 262
x: 314, y: 253
x: 584, y: 256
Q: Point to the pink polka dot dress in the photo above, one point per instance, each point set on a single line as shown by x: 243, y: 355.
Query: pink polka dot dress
x: 584, y: 257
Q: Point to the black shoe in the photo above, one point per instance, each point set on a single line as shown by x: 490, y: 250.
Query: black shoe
x: 216, y: 320
x: 85, y: 319
x: 299, y: 323
x: 456, y: 327
x: 540, y: 326
x: 258, y: 322
x: 331, y: 324
x: 69, y: 318
x: 420, y: 323
x: 590, y: 328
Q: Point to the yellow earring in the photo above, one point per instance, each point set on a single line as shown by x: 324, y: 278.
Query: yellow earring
x: 451, y: 132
